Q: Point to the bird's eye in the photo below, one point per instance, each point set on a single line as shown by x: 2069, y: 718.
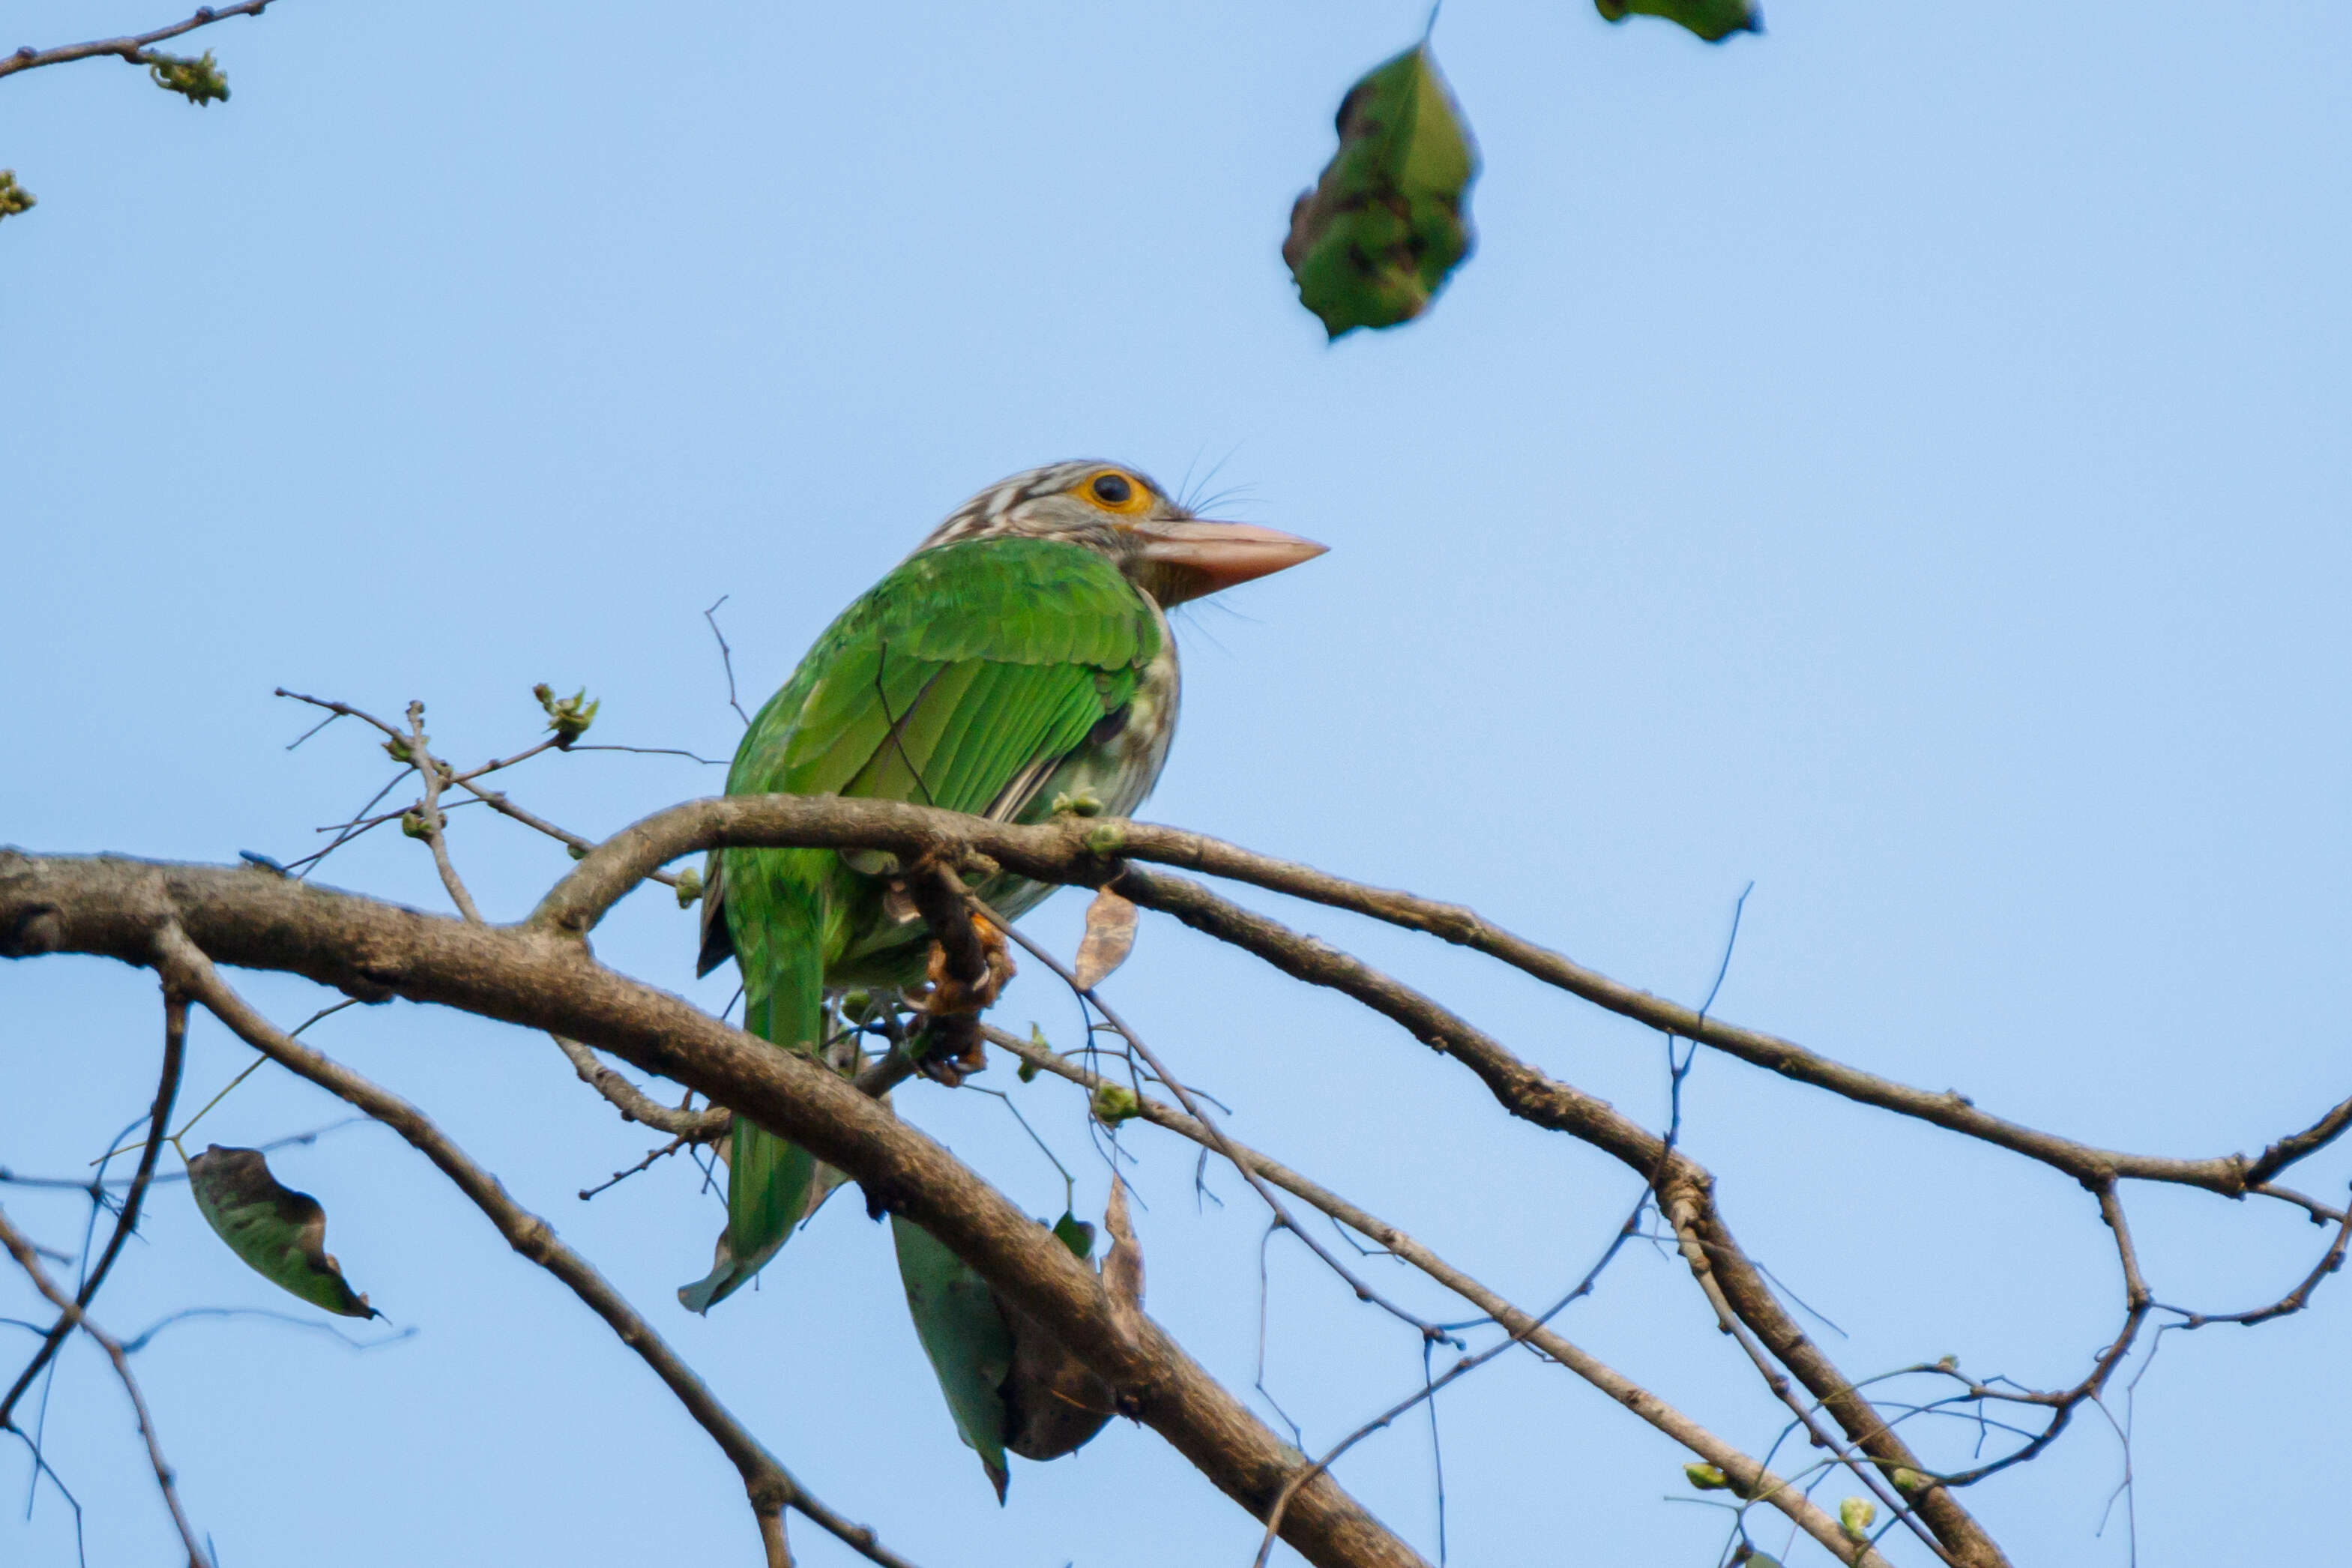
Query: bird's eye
x: 1112, y: 490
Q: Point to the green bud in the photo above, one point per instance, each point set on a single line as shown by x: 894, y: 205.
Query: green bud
x: 1908, y: 1481
x: 1855, y: 1515
x: 857, y: 1005
x: 397, y: 750
x: 1948, y: 1363
x: 14, y: 198
x: 576, y: 852
x: 569, y: 717
x: 1085, y: 803
x: 1114, y: 1103
x: 1706, y: 1477
x: 412, y: 822
x: 689, y: 887
x: 198, y: 80
x: 1104, y: 841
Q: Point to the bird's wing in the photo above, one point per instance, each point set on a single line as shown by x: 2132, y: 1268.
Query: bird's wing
x: 949, y: 684
x: 957, y: 671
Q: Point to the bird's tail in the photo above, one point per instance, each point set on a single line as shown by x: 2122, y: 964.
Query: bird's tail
x: 771, y: 1182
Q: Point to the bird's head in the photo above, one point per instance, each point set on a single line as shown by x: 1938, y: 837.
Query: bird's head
x: 1117, y: 513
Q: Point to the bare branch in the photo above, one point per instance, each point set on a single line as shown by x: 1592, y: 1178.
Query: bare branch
x: 769, y: 1486
x: 1748, y: 1479
x: 167, y: 1089
x: 132, y: 50
x: 70, y: 1313
x: 1087, y: 852
x: 2310, y: 1140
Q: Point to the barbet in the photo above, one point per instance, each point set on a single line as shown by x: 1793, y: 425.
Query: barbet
x: 1020, y: 657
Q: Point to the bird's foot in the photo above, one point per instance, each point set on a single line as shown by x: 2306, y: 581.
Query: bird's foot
x: 952, y: 1003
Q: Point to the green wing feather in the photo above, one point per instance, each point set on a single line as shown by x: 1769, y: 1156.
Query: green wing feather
x: 956, y: 681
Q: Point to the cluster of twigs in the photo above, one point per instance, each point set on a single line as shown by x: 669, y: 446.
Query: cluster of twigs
x: 181, y: 920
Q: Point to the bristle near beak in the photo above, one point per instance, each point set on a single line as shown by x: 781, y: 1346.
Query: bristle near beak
x: 1191, y: 558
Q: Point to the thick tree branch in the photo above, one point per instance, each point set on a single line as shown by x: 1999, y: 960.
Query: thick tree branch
x: 769, y: 1484
x: 132, y: 50
x: 543, y: 980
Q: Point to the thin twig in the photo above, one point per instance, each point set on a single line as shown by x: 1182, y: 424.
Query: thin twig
x: 1751, y: 1478
x: 71, y: 1314
x: 1185, y: 1096
x: 726, y: 658
x: 167, y: 1089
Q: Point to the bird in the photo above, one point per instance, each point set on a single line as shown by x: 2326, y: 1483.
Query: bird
x: 1018, y: 661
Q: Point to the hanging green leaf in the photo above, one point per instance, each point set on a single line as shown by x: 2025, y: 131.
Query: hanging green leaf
x: 1714, y: 20
x: 964, y: 1335
x: 280, y: 1233
x: 1372, y: 242
x: 1077, y: 1235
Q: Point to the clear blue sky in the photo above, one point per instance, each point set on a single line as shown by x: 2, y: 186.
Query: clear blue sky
x: 1901, y: 459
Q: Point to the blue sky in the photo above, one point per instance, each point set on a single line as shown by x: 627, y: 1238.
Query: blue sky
x: 1899, y: 461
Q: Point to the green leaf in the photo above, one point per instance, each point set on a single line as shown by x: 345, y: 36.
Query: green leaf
x: 14, y: 198
x: 964, y: 1335
x: 1374, y: 242
x: 1714, y: 20
x: 1855, y: 1515
x: 1077, y: 1235
x: 280, y: 1233
x: 198, y: 80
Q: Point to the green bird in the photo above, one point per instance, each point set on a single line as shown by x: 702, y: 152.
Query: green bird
x: 1020, y: 657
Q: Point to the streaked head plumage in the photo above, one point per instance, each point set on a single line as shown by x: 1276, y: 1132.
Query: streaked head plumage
x: 1119, y: 512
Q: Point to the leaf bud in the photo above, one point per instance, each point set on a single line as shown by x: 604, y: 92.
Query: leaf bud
x: 569, y: 717
x: 1114, y: 1103
x: 1855, y: 1515
x: 198, y: 80
x: 689, y: 887
x: 1706, y: 1477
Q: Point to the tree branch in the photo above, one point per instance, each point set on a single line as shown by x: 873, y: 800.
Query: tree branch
x: 70, y: 1313
x: 543, y: 980
x: 167, y: 1089
x: 1750, y: 1479
x: 132, y: 50
x: 769, y: 1486
x: 1087, y: 852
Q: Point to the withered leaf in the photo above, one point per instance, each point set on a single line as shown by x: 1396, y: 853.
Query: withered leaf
x: 1110, y: 936
x: 281, y: 1234
x: 1372, y: 242
x: 1714, y: 20
x: 1054, y: 1404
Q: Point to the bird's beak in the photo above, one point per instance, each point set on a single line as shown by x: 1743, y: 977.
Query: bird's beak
x: 1188, y: 558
